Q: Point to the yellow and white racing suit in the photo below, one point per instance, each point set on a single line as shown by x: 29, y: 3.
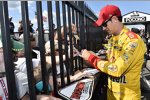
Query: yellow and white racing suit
x: 125, y: 58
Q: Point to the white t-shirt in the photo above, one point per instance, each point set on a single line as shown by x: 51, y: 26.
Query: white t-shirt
x: 21, y: 85
x: 21, y: 63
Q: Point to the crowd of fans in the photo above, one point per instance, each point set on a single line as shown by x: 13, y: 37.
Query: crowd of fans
x: 20, y: 62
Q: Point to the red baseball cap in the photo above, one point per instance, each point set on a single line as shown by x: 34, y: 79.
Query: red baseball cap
x: 106, y: 13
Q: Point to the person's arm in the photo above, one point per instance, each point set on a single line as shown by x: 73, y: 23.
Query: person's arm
x: 121, y: 64
x: 77, y: 76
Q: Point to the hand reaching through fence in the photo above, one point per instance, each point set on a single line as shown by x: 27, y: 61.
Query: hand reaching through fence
x: 77, y: 76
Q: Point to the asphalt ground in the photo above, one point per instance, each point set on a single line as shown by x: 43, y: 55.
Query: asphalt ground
x: 146, y: 72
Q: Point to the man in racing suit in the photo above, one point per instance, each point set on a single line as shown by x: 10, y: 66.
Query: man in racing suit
x: 125, y: 55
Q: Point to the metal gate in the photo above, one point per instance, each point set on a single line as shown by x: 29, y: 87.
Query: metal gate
x: 78, y: 14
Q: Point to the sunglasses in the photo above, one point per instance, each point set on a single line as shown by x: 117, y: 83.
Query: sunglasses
x: 105, y: 23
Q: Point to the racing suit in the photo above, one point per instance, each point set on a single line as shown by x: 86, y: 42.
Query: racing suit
x: 125, y: 54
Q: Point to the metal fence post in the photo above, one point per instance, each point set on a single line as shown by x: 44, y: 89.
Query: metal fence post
x: 25, y: 20
x: 41, y: 46
x: 7, y: 49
